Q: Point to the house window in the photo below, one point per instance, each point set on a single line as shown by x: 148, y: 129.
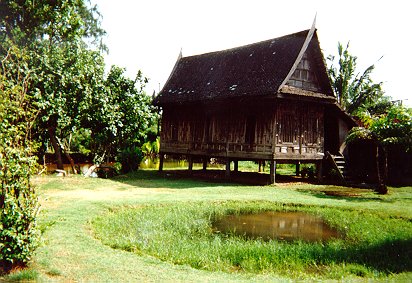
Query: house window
x: 304, y: 76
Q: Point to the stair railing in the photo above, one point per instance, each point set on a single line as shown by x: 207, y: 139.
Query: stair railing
x: 329, y: 158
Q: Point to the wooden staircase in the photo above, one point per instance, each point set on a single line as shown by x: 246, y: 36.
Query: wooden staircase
x: 339, y: 164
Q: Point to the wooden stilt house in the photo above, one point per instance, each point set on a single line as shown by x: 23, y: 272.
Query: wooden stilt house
x: 268, y: 101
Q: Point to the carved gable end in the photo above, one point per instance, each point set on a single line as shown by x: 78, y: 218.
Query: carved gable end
x: 305, y: 75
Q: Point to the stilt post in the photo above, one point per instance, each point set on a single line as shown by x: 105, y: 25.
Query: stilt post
x: 272, y: 171
x: 236, y: 166
x: 298, y: 168
x: 227, y: 173
x: 205, y: 163
x: 190, y: 159
x: 161, y: 159
x: 319, y: 171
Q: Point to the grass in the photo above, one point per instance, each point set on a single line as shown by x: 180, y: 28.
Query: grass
x: 73, y: 206
x: 375, y: 243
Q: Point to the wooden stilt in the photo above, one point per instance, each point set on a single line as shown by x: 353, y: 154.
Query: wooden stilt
x: 319, y: 171
x: 272, y: 171
x: 190, y: 159
x: 298, y: 168
x: 227, y: 173
x: 205, y: 163
x: 260, y: 166
x: 236, y: 166
x: 161, y: 159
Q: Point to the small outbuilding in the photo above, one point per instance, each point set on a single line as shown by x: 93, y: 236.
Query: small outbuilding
x: 268, y: 101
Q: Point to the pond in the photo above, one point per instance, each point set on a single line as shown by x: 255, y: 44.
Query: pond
x: 287, y: 226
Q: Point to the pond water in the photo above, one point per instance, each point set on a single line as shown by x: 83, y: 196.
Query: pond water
x: 287, y: 226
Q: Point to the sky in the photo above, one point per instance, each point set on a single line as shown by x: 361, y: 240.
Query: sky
x: 148, y: 35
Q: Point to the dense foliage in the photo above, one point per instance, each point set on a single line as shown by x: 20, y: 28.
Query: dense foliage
x: 353, y: 91
x: 18, y: 201
x: 80, y: 107
x: 391, y: 129
x: 120, y: 115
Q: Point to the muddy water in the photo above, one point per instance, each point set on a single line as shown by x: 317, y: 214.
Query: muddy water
x: 286, y: 226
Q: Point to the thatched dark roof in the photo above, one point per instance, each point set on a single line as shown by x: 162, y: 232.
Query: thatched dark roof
x: 258, y: 69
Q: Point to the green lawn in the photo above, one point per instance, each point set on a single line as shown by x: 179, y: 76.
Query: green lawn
x: 75, y: 211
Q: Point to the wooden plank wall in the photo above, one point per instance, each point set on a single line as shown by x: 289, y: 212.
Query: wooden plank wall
x: 280, y: 128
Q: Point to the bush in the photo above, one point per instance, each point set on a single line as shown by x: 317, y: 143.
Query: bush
x: 19, y: 207
x: 130, y: 159
x: 18, y: 201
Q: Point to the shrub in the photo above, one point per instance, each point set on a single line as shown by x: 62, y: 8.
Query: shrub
x: 130, y: 158
x: 18, y: 201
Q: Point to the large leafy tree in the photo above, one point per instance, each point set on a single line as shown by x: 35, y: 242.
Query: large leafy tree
x: 68, y: 77
x: 121, y: 117
x: 27, y: 22
x: 354, y: 90
x: 57, y: 34
x: 385, y: 130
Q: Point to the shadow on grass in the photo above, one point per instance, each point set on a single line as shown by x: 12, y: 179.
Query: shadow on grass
x: 388, y: 257
x: 350, y: 198
x: 184, y: 179
x: 167, y: 179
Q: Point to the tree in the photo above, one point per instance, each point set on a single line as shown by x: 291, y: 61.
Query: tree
x: 28, y: 22
x: 18, y: 201
x: 393, y: 128
x: 68, y: 78
x: 55, y: 32
x: 353, y: 90
x: 120, y: 116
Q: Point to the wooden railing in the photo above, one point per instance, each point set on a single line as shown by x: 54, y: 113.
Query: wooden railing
x: 232, y: 147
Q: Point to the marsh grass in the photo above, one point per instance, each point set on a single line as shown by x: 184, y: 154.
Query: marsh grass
x: 24, y: 275
x: 374, y: 244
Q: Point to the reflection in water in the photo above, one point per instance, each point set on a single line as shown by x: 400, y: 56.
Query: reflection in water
x: 286, y: 226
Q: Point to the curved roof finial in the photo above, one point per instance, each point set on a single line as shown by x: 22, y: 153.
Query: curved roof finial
x: 300, y: 55
x: 314, y: 22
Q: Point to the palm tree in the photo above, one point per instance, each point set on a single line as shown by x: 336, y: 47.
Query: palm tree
x: 352, y: 89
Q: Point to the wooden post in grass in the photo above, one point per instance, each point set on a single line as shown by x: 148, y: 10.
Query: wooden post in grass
x: 298, y: 168
x: 236, y: 166
x: 161, y: 159
x: 272, y: 171
x: 227, y: 173
x: 204, y: 163
x: 190, y: 159
x: 319, y: 171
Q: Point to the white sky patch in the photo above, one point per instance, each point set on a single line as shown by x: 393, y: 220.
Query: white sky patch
x: 148, y: 35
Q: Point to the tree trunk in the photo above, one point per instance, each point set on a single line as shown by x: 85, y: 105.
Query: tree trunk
x: 71, y: 161
x: 56, y: 147
x: 66, y: 152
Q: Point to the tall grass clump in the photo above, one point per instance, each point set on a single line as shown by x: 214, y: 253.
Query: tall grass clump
x: 373, y: 244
